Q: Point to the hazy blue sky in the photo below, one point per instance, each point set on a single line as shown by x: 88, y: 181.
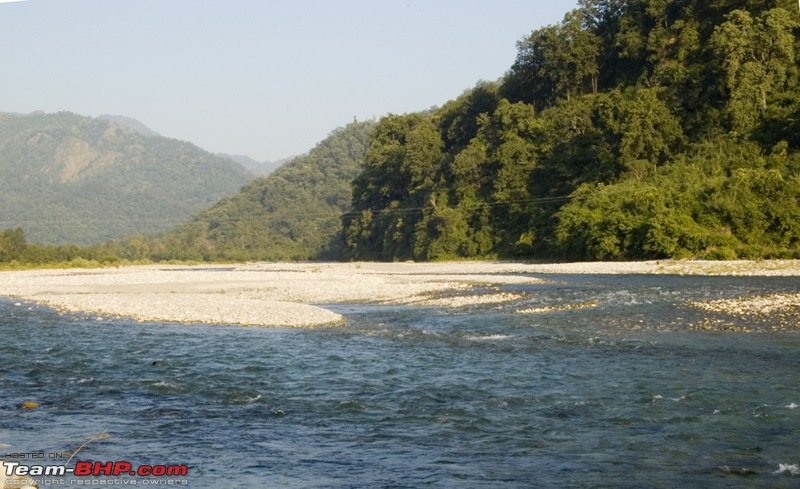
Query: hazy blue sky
x: 263, y: 78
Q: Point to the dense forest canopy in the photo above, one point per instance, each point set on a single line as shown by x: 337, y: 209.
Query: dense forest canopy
x: 632, y: 129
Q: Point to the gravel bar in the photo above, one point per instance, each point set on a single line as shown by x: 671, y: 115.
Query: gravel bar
x: 294, y: 294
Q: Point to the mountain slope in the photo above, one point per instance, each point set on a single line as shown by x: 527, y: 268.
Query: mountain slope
x: 66, y: 178
x: 294, y: 213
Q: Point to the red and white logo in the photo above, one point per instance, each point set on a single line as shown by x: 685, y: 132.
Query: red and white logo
x: 20, y: 476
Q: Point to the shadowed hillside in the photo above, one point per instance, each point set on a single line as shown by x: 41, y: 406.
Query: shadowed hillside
x: 292, y: 214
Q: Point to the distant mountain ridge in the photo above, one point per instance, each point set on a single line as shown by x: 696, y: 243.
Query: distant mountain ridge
x: 130, y: 123
x: 262, y: 168
x: 67, y: 178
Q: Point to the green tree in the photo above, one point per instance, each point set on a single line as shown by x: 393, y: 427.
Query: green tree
x: 723, y: 200
x: 459, y: 118
x: 755, y: 54
x: 12, y: 244
x: 400, y: 172
x: 650, y: 131
x: 557, y: 61
x: 581, y: 144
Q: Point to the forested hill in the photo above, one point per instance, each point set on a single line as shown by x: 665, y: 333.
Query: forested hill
x: 66, y: 178
x: 292, y: 214
x: 632, y: 129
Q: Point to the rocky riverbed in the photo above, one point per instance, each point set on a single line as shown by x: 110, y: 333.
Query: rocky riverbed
x: 294, y: 294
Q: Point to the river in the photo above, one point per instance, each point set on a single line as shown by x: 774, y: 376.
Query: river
x: 626, y: 393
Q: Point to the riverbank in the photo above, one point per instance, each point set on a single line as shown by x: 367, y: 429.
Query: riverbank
x: 290, y: 294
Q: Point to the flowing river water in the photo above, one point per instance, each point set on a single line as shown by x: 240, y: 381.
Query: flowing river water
x: 629, y: 391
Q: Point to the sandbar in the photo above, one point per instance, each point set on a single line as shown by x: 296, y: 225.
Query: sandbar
x: 295, y: 294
